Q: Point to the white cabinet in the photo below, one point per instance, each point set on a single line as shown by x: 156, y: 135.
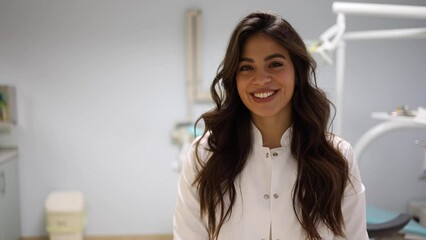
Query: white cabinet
x: 9, y: 196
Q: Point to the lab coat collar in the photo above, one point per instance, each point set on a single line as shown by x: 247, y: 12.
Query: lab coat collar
x: 285, y: 138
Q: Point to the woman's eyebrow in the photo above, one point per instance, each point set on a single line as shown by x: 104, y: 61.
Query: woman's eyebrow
x: 245, y: 59
x: 275, y: 55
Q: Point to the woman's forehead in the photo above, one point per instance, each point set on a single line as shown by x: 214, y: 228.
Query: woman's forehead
x: 262, y: 44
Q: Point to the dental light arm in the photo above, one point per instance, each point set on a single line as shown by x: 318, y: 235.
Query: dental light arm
x: 380, y: 10
x: 333, y: 39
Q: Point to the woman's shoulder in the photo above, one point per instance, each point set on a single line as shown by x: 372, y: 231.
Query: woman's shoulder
x: 343, y: 146
x: 200, y: 148
x: 201, y: 143
x: 195, y: 156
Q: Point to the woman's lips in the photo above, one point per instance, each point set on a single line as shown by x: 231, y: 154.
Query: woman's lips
x: 264, y: 96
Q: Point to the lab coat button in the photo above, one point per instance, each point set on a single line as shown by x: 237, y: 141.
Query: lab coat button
x: 276, y: 196
x: 267, y: 155
x: 266, y: 196
x: 274, y: 154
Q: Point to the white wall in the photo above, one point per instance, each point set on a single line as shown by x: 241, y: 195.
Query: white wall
x: 100, y: 85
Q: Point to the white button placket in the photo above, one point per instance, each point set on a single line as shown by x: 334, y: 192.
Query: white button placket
x: 274, y: 156
x: 267, y: 195
x: 274, y: 185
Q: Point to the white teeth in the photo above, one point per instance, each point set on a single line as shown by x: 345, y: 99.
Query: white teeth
x: 263, y: 95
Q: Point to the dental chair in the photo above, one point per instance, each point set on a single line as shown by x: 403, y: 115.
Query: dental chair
x: 384, y: 223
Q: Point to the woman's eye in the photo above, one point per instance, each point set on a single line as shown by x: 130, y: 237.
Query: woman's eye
x: 245, y: 68
x: 276, y: 64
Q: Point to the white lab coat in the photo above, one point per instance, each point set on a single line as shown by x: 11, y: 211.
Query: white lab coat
x: 263, y: 208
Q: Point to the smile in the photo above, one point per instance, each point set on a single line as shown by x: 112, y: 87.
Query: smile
x: 264, y: 94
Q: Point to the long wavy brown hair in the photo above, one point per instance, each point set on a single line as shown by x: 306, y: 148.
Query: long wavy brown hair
x: 322, y: 171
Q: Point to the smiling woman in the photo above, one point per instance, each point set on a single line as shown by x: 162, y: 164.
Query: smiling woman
x: 266, y: 167
x: 265, y: 82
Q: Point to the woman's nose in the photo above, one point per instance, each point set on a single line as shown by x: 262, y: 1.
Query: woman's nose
x: 261, y: 78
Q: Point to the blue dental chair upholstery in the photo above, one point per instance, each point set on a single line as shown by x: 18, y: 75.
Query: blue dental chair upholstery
x: 382, y: 223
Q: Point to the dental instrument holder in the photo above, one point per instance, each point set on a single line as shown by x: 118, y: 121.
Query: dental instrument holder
x: 181, y: 135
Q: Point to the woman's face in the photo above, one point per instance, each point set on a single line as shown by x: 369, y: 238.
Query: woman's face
x: 265, y: 78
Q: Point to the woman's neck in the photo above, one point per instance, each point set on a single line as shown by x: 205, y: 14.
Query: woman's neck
x: 272, y: 130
